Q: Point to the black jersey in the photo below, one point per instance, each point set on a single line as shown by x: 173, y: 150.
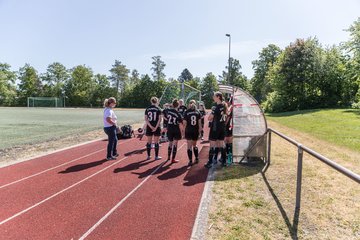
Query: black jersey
x: 153, y: 113
x: 228, y: 120
x: 192, y: 118
x: 182, y: 110
x: 165, y: 114
x: 173, y: 117
x: 203, y: 113
x: 219, y: 116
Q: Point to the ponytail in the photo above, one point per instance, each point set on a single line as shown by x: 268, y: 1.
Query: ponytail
x: 225, y: 112
x: 175, y: 103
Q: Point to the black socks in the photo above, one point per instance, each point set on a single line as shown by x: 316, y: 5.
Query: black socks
x: 174, y: 152
x: 156, y: 149
x: 196, y: 152
x: 189, y: 152
x: 148, y: 149
x: 211, y: 155
x: 169, y: 152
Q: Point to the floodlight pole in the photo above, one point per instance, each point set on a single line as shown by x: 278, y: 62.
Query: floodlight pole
x: 229, y: 36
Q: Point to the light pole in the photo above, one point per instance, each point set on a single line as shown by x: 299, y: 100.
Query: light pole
x: 228, y: 35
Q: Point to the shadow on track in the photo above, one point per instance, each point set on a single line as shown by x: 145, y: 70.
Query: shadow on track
x: 133, y: 166
x: 81, y: 167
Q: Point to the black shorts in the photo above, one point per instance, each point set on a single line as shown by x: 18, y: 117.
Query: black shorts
x: 173, y: 133
x: 228, y: 132
x: 192, y: 135
x: 149, y: 132
x: 217, y: 134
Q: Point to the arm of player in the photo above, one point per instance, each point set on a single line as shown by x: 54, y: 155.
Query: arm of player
x: 148, y: 123
x: 158, y: 122
x: 200, y: 126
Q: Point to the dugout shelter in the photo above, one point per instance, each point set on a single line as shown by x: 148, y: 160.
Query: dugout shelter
x: 249, y: 125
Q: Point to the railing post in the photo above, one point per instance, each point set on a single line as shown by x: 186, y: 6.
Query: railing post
x: 299, y: 176
x: 269, y: 147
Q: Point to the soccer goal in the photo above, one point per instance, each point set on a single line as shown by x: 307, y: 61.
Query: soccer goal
x: 45, y: 102
x: 180, y: 90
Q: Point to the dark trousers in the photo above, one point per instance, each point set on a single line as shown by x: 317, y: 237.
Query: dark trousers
x: 112, y: 140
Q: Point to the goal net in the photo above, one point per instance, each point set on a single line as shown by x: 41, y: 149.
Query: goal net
x: 45, y: 102
x: 180, y: 91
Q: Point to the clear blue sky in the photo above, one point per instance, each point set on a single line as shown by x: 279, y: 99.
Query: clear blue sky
x: 187, y: 33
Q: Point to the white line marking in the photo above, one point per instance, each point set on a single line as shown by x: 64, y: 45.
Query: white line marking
x: 36, y: 174
x: 58, y: 193
x: 2, y: 165
x: 122, y: 200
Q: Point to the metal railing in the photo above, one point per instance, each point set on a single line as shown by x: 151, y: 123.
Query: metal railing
x: 302, y: 149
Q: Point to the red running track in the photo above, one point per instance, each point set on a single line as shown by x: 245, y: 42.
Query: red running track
x: 76, y: 194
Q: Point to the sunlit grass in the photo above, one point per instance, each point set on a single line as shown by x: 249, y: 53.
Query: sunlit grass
x: 338, y: 126
x: 20, y: 126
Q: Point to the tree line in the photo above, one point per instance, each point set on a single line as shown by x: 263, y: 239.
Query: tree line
x: 304, y: 75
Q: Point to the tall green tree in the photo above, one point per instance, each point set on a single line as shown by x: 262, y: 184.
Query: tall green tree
x: 293, y: 75
x: 80, y: 87
x: 158, y: 68
x: 29, y: 84
x: 102, y: 90
x: 7, y: 85
x: 185, y: 76
x: 236, y: 77
x: 141, y: 93
x: 352, y: 47
x: 134, y: 78
x: 260, y: 87
x: 119, y: 77
x: 55, y: 79
x: 209, y: 85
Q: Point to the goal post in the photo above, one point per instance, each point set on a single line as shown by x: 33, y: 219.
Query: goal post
x: 179, y: 90
x: 52, y: 102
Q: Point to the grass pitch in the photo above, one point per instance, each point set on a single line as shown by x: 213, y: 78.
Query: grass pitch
x: 19, y: 126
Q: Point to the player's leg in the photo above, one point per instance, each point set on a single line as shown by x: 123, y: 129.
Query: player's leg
x: 189, y: 150
x: 157, y: 134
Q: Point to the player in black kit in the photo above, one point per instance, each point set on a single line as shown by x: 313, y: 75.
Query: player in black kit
x: 217, y: 130
x: 152, y: 121
x: 173, y: 129
x: 182, y: 107
x: 202, y: 111
x: 228, y: 131
x: 193, y: 127
x: 165, y: 122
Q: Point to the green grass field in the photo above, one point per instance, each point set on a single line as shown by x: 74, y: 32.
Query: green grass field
x: 338, y: 126
x: 20, y: 126
x: 247, y: 204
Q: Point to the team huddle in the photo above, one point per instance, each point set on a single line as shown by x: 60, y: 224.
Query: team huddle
x: 180, y: 121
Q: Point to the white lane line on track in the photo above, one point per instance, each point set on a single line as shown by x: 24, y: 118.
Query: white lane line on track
x: 52, y: 168
x: 122, y: 200
x: 58, y: 193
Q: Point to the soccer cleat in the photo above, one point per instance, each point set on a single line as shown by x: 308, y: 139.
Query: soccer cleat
x: 196, y: 161
x: 158, y: 158
x: 174, y: 161
x: 148, y: 158
x: 190, y: 163
x: 208, y: 165
x: 110, y: 158
x: 115, y: 155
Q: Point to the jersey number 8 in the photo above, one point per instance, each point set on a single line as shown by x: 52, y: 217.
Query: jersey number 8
x: 193, y: 120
